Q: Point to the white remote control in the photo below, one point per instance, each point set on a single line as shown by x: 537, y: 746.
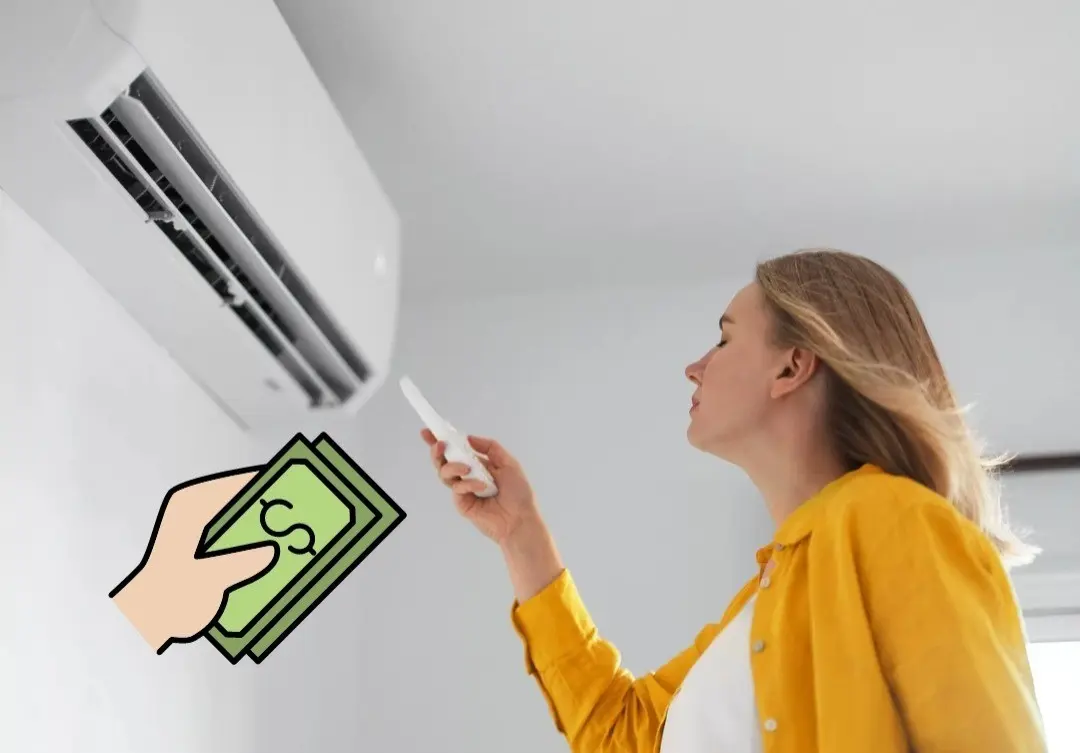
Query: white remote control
x: 458, y: 449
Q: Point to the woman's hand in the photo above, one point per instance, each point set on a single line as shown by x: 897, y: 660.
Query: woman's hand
x: 497, y: 517
x: 510, y: 518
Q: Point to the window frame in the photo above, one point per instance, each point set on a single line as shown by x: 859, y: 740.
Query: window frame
x: 1050, y: 602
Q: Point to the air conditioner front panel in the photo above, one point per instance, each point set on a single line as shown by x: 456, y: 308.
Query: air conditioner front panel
x: 239, y: 77
x: 45, y: 169
x: 188, y: 157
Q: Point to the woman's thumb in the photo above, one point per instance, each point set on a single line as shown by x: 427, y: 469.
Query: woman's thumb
x: 238, y: 566
x: 486, y: 446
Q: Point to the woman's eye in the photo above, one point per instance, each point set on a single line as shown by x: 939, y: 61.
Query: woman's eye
x: 721, y: 344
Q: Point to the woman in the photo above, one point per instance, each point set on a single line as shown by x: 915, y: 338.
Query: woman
x: 881, y: 617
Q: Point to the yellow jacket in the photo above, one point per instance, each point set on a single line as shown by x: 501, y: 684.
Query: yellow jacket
x: 888, y: 624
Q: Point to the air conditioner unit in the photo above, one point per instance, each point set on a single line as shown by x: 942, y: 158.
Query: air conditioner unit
x: 186, y: 154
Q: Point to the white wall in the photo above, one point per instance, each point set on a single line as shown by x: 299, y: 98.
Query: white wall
x: 96, y: 423
x: 417, y: 653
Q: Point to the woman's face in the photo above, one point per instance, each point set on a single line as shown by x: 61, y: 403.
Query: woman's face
x: 736, y: 380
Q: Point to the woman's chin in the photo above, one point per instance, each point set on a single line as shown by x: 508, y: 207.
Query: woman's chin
x: 693, y: 433
x: 709, y: 442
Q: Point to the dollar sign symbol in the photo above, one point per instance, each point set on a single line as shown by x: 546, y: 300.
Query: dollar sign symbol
x: 267, y: 505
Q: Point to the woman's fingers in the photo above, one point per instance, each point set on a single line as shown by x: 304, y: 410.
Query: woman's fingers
x: 453, y: 471
x: 467, y: 486
x: 438, y: 449
x: 493, y: 453
x: 482, y: 444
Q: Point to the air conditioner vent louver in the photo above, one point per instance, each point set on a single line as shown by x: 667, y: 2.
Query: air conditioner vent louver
x: 218, y: 198
x: 159, y: 161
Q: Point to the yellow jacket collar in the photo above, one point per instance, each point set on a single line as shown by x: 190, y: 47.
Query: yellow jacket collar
x: 800, y: 523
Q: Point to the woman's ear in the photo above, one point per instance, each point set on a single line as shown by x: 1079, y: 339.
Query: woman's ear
x: 798, y: 367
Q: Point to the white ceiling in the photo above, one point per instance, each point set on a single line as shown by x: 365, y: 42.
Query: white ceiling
x: 535, y: 144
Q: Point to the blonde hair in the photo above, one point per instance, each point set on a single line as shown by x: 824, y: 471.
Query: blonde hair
x: 890, y: 403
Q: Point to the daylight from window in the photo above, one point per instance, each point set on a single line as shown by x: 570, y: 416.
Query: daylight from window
x: 1056, y: 667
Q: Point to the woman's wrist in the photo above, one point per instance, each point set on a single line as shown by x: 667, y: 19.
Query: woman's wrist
x: 532, y: 559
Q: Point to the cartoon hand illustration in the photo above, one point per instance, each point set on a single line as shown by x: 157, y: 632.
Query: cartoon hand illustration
x: 176, y: 592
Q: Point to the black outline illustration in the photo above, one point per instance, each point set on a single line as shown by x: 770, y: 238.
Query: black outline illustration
x: 260, y: 480
x: 157, y: 528
x: 235, y: 515
x: 216, y: 634
x: 324, y: 437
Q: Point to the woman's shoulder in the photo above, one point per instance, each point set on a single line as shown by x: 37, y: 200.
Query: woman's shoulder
x: 877, y: 508
x: 872, y: 486
x: 904, y: 542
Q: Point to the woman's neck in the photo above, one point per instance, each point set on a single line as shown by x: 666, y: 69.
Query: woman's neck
x: 787, y: 477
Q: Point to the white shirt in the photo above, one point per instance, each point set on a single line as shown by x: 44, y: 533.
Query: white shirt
x: 714, y: 709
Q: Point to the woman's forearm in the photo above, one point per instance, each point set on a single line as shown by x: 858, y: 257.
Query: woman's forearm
x: 531, y: 558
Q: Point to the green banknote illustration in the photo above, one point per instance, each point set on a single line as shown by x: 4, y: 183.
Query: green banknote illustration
x: 320, y: 510
x: 312, y: 589
x: 301, y: 530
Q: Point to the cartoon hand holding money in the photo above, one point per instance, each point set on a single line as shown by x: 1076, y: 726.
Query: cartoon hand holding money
x: 243, y: 557
x: 174, y: 593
